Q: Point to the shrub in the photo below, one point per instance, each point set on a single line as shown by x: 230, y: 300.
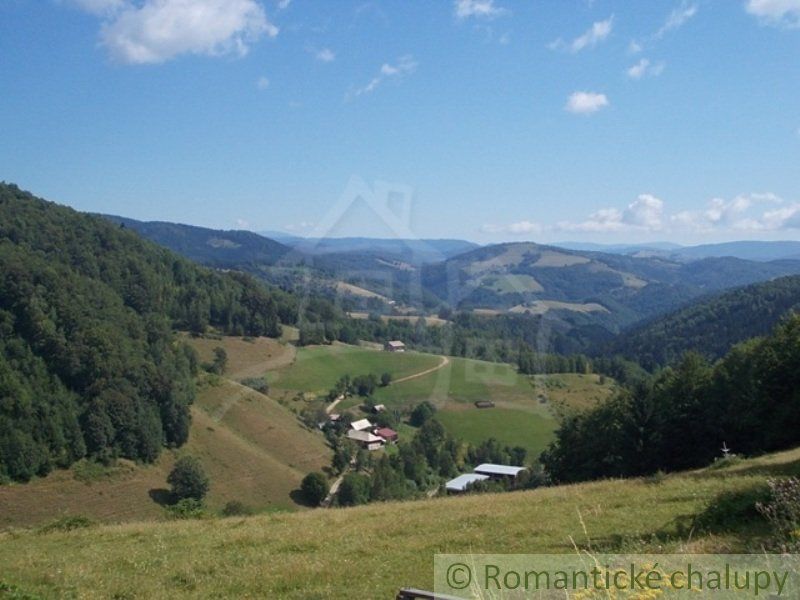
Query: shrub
x: 421, y: 413
x: 259, y: 384
x: 67, y: 524
x: 235, y: 508
x: 782, y: 510
x: 188, y: 479
x: 315, y: 488
x: 187, y: 508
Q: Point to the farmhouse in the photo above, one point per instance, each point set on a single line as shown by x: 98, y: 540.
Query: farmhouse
x: 379, y: 408
x: 498, y: 472
x: 460, y: 483
x: 365, y: 439
x: 394, y: 346
x: 361, y: 425
x: 389, y: 435
x: 484, y: 404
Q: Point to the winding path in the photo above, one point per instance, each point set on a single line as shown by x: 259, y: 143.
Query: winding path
x: 442, y: 364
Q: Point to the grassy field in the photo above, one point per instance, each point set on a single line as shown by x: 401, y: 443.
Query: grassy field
x: 246, y: 358
x: 525, y: 407
x: 317, y: 368
x: 316, y: 554
x: 525, y: 411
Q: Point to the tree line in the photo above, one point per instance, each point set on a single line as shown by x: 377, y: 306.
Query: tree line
x: 681, y: 417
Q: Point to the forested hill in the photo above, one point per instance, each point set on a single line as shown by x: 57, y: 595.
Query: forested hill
x: 710, y: 326
x: 88, y: 361
x: 230, y: 249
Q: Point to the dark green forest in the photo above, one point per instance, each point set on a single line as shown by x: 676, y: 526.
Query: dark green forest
x: 710, y: 326
x: 680, y: 418
x: 89, y: 365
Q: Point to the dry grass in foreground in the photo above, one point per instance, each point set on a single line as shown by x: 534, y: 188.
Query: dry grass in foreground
x: 372, y: 551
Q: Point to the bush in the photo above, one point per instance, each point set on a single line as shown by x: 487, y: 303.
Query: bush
x: 386, y: 379
x: 188, y: 479
x: 187, y: 508
x: 67, y: 524
x: 782, y: 510
x: 421, y: 413
x: 259, y: 384
x: 235, y: 508
x: 315, y: 488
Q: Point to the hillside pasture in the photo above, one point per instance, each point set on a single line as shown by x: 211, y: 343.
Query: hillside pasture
x: 246, y: 358
x: 314, y: 555
x: 317, y: 368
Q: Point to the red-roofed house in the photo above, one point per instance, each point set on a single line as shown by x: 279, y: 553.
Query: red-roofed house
x: 389, y: 435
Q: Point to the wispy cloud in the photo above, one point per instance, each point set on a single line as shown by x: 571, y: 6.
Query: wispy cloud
x: 518, y: 228
x: 325, y: 55
x: 484, y: 9
x: 262, y: 83
x: 585, y: 103
x: 645, y: 67
x: 783, y: 13
x: 406, y: 65
x: 676, y: 19
x: 155, y: 31
x: 645, y: 213
x: 599, y: 31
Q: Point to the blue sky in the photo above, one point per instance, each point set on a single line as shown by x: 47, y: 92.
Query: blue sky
x: 491, y: 120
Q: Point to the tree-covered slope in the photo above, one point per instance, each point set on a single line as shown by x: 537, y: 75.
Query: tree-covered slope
x: 88, y: 361
x: 712, y: 325
x: 209, y: 246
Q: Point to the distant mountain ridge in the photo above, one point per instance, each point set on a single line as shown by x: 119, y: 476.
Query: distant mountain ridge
x: 762, y: 251
x: 414, y: 251
x: 209, y: 246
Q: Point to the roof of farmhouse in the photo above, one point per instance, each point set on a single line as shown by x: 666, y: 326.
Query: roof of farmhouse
x: 460, y: 483
x: 492, y: 469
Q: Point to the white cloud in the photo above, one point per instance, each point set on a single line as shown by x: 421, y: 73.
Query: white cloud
x: 645, y: 67
x: 744, y: 214
x: 635, y: 47
x: 284, y: 4
x: 325, y: 55
x: 776, y: 12
x: 598, y: 32
x: 155, y: 31
x: 262, y: 83
x: 242, y: 223
x: 405, y: 65
x: 486, y: 9
x: 643, y: 214
x: 738, y: 214
x: 585, y: 103
x: 677, y: 18
x: 518, y: 228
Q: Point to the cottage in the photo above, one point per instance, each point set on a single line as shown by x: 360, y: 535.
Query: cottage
x: 498, y: 472
x: 379, y: 408
x: 395, y: 346
x: 389, y: 435
x: 365, y: 439
x: 459, y: 484
x: 484, y: 404
x: 361, y: 425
